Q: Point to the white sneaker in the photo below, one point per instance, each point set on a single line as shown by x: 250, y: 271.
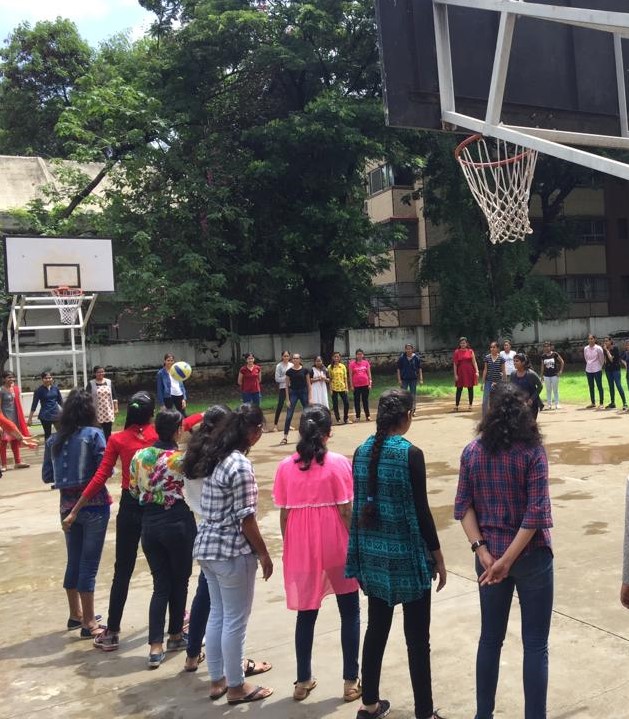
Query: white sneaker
x: 556, y: 406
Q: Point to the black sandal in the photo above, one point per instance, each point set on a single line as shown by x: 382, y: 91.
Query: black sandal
x: 383, y: 709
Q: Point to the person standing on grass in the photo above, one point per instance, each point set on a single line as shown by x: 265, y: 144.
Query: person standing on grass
x: 168, y: 532
x: 503, y: 504
x: 624, y: 359
x: 550, y: 370
x: 11, y: 406
x: 298, y: 389
x: 493, y: 372
x: 280, y: 378
x: 594, y: 363
x: 314, y: 490
x: 171, y: 393
x: 465, y: 372
x: 250, y: 381
x: 228, y: 547
x: 612, y: 372
x: 338, y: 384
x: 319, y: 381
x: 71, y: 457
x: 507, y: 354
x: 409, y: 372
x: 360, y: 383
x: 48, y: 396
x: 138, y: 433
x: 105, y: 400
x: 394, y: 551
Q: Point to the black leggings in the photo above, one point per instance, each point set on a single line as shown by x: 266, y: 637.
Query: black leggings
x: 281, y: 397
x: 361, y: 393
x: 597, y: 377
x: 106, y: 427
x: 417, y: 635
x: 47, y: 426
x: 470, y: 395
x: 335, y: 405
x: 176, y: 402
x: 128, y: 531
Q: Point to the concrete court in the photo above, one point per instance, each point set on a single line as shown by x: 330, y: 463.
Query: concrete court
x: 48, y: 672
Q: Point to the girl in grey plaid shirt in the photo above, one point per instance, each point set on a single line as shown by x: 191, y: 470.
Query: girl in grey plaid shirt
x: 228, y: 547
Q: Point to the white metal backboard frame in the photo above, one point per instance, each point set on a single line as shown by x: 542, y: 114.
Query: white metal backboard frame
x: 37, y: 264
x: 551, y: 142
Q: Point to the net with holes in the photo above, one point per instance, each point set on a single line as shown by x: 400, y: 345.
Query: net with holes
x: 68, y: 301
x: 499, y: 175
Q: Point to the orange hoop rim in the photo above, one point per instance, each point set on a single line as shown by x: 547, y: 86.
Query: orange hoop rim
x: 480, y: 165
x: 65, y: 291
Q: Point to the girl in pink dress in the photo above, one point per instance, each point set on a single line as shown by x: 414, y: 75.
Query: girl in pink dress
x: 314, y: 491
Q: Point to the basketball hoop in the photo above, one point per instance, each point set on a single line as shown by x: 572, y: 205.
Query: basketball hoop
x: 500, y: 178
x: 68, y: 301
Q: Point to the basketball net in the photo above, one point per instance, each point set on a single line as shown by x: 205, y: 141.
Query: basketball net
x: 68, y: 301
x: 500, y: 178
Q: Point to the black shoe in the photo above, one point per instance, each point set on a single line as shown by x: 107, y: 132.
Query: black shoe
x: 384, y: 707
x: 611, y: 405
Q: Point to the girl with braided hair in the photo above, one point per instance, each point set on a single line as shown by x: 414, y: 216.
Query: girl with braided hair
x: 314, y: 491
x: 394, y: 551
x: 503, y: 503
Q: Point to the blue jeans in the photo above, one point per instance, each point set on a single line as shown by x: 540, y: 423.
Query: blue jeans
x: 411, y: 386
x: 84, y: 544
x: 613, y: 378
x: 231, y: 584
x: 295, y: 395
x: 199, y: 613
x: 532, y: 576
x: 487, y: 387
x: 251, y: 398
x: 349, y: 609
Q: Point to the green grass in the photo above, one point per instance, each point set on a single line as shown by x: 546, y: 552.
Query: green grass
x: 438, y: 385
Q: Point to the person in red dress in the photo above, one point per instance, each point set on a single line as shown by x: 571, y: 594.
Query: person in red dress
x: 250, y: 381
x: 465, y: 372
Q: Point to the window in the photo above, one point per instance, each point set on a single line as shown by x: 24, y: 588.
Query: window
x: 380, y: 178
x: 588, y: 230
x: 407, y: 237
x: 397, y: 296
x: 622, y: 228
x: 585, y: 288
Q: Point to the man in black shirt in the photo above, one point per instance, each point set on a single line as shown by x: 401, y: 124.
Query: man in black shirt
x: 297, y: 390
x: 612, y: 371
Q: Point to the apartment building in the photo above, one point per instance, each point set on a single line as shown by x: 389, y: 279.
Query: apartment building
x: 595, y: 275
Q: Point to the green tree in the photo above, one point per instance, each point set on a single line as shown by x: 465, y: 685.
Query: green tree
x: 39, y: 69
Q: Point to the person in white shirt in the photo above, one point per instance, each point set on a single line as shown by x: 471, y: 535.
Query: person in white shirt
x: 280, y: 377
x: 507, y: 355
x: 594, y: 363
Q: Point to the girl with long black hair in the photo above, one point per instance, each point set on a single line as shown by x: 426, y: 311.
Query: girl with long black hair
x: 228, y: 547
x: 71, y: 457
x: 394, y: 551
x: 314, y: 491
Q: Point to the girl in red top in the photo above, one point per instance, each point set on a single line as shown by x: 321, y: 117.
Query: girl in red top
x: 360, y: 383
x: 11, y: 406
x: 250, y: 381
x: 138, y: 433
x: 465, y: 372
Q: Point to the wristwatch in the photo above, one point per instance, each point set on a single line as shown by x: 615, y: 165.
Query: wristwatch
x: 478, y: 543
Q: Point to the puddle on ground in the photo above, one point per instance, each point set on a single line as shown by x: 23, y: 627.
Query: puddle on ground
x: 596, y: 528
x: 576, y: 453
x: 556, y: 480
x: 440, y: 468
x: 443, y: 515
x: 574, y: 494
x: 435, y: 491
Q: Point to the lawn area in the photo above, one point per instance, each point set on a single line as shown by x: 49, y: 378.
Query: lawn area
x: 438, y: 385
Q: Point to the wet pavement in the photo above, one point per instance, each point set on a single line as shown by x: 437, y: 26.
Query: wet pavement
x: 49, y: 672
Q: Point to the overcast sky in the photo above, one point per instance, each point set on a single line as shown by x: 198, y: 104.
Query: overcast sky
x: 96, y: 19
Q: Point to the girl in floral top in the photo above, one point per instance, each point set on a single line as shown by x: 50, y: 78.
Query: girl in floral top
x: 168, y: 532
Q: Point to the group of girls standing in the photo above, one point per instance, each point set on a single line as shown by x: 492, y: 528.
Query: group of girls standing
x: 345, y: 526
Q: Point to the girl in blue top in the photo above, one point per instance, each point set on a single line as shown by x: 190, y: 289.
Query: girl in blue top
x: 49, y: 397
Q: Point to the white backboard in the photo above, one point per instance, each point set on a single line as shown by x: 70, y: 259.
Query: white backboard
x: 38, y: 264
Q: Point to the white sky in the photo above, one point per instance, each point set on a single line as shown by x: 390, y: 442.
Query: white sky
x: 96, y: 19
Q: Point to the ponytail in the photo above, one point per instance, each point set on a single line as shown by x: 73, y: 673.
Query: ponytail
x: 314, y: 428
x: 393, y: 407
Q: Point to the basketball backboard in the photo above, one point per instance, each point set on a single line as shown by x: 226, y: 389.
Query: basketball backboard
x: 39, y: 264
x: 541, y: 74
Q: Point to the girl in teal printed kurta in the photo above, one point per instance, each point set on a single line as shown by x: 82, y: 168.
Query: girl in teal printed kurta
x: 394, y: 551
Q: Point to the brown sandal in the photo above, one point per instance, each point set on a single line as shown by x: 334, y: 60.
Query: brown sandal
x: 352, y: 690
x: 284, y: 440
x: 303, y: 689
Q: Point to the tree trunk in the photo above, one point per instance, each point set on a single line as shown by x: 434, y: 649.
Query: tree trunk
x: 327, y: 336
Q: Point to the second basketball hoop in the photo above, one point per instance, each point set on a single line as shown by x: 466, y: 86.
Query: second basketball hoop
x: 499, y: 175
x: 68, y: 301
